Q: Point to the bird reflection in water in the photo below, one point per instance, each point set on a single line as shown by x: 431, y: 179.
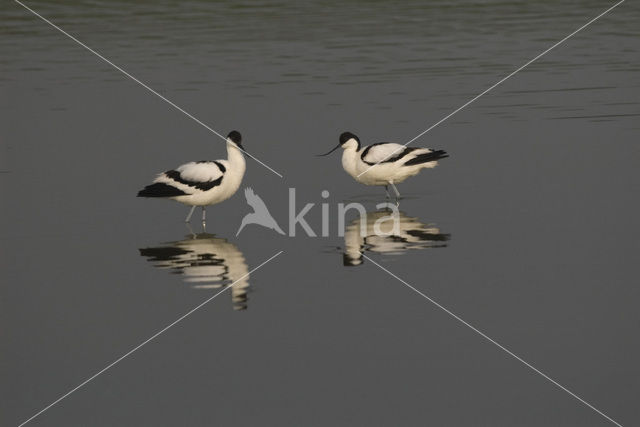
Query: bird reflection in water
x: 206, y: 262
x: 388, y: 232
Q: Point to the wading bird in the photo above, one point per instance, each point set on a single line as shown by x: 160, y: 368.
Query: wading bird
x: 384, y: 163
x: 202, y: 183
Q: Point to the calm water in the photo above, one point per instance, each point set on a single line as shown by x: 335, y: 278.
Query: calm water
x: 528, y: 231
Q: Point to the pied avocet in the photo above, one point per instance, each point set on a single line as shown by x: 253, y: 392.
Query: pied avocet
x: 202, y: 183
x: 384, y: 163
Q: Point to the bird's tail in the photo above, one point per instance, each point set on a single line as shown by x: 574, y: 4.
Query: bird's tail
x: 431, y: 156
x: 160, y: 189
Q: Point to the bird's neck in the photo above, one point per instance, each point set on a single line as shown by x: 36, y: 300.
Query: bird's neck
x: 235, y: 157
x: 349, y: 161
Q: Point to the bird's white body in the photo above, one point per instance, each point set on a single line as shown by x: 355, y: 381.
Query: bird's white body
x: 202, y: 183
x: 385, y: 163
x: 362, y: 163
x: 231, y: 174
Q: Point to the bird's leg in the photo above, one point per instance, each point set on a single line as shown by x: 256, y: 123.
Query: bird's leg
x: 204, y: 214
x: 386, y: 190
x: 397, y: 194
x: 193, y: 235
x: 395, y: 190
x: 193, y: 208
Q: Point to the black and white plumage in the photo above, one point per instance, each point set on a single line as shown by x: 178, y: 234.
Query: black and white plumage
x: 202, y: 183
x: 384, y: 163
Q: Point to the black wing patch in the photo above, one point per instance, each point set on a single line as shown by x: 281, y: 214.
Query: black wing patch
x: 160, y: 189
x: 427, y: 157
x: 204, y: 186
x: 397, y: 156
x: 220, y: 165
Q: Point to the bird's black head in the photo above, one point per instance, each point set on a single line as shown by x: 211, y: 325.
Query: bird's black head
x: 235, y: 136
x: 345, y: 136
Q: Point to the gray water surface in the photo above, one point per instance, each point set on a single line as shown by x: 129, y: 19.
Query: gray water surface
x: 528, y: 231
